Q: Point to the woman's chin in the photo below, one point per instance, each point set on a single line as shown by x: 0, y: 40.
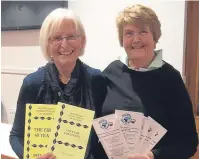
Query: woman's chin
x: 136, y: 57
x: 138, y: 54
x: 65, y: 61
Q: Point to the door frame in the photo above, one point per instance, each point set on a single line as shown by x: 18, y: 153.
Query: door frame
x: 191, y: 57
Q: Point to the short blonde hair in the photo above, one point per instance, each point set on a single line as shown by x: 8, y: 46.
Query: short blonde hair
x: 52, y: 22
x: 135, y: 14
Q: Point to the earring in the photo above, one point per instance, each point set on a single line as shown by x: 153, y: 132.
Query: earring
x: 51, y: 58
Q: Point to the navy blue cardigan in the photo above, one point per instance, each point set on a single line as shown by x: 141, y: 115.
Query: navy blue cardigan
x: 29, y: 94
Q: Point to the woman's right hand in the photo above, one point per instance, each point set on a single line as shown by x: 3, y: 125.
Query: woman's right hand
x: 47, y: 156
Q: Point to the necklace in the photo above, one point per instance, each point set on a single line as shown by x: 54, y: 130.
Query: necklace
x: 64, y: 80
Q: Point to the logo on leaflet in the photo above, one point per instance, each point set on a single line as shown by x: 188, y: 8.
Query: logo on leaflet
x: 127, y: 118
x: 104, y: 124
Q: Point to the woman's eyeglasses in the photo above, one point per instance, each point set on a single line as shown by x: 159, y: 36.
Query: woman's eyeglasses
x: 57, y: 40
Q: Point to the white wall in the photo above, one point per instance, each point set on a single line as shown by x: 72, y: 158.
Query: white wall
x: 98, y: 17
x: 21, y: 54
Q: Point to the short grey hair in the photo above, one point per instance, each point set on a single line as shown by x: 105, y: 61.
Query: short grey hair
x: 52, y: 22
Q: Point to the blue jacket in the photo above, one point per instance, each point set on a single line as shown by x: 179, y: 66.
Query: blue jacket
x: 30, y: 92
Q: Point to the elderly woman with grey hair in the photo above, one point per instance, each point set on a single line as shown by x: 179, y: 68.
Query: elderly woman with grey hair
x: 63, y: 79
x: 141, y: 81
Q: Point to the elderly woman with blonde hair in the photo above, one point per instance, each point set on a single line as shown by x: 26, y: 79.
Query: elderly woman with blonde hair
x: 63, y: 79
x: 141, y: 81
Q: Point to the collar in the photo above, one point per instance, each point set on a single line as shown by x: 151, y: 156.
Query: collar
x: 156, y: 63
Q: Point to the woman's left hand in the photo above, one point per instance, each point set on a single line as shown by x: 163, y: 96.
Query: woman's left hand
x: 149, y: 155
x: 138, y: 156
x: 47, y: 156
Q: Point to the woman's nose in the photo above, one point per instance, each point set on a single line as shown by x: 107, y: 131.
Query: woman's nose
x: 64, y: 42
x: 136, y: 39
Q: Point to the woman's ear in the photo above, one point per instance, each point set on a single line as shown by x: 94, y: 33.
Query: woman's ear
x: 154, y: 44
x: 48, y: 53
x: 83, y: 41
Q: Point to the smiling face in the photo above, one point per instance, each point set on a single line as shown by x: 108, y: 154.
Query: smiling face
x: 138, y: 42
x: 66, y: 43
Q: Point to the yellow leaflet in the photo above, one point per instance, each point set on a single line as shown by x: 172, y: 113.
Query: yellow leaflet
x: 70, y: 132
x: 38, y: 123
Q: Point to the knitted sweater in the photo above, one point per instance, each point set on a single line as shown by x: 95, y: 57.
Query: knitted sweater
x: 160, y: 94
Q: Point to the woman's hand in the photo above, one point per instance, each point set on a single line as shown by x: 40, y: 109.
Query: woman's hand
x: 149, y: 155
x: 138, y: 156
x: 47, y: 156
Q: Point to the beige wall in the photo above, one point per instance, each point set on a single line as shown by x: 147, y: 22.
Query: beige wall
x: 20, y: 55
x: 98, y: 17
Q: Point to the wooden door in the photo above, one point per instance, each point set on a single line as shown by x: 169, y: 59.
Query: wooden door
x: 192, y: 52
x: 191, y: 59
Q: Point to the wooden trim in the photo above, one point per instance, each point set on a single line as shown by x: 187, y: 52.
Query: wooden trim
x: 196, y: 156
x: 192, y: 51
x: 197, y: 78
x: 197, y: 124
x: 17, y: 71
x: 6, y: 157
